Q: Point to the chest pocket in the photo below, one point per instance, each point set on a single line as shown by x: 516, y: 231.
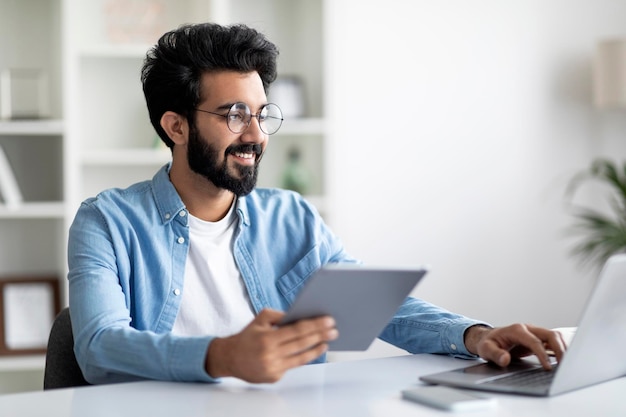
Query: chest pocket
x: 290, y: 284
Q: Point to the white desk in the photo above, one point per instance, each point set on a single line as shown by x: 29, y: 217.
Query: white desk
x: 342, y: 389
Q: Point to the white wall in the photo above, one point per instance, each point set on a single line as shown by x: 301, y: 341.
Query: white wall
x: 456, y: 125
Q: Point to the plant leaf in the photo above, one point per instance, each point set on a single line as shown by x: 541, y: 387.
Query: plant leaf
x: 600, y: 235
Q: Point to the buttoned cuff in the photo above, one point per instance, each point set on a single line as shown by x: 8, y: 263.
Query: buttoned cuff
x: 453, y: 338
x: 189, y: 360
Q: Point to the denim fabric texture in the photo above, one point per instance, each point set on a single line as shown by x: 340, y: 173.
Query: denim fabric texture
x: 127, y: 252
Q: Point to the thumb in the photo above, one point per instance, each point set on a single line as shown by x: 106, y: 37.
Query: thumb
x: 269, y: 316
x: 503, y: 359
x: 495, y: 354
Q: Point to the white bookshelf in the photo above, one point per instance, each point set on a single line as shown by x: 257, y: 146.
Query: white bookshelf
x: 44, y: 128
x: 36, y: 210
x: 21, y: 363
x: 128, y: 157
x: 32, y: 237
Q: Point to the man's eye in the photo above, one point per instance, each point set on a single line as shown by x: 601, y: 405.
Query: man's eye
x: 235, y: 117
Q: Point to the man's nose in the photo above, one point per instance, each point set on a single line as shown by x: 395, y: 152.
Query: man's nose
x: 253, y: 133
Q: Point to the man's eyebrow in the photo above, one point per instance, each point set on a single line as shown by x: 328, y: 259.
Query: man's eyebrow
x: 226, y: 106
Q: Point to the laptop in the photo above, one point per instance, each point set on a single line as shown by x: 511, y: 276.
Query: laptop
x: 361, y: 299
x: 594, y: 355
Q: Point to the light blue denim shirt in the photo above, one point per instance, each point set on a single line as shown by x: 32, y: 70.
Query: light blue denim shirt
x: 127, y: 252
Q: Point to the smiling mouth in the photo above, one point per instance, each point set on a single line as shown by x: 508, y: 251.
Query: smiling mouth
x: 245, y: 155
x: 247, y: 152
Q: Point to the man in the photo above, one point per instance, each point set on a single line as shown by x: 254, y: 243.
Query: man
x: 184, y: 277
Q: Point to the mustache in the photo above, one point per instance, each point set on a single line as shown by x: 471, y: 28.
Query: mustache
x: 245, y: 148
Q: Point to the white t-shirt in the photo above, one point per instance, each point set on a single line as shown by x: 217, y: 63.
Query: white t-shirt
x: 215, y: 300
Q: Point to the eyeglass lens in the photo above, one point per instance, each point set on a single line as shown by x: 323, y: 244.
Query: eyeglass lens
x: 270, y: 118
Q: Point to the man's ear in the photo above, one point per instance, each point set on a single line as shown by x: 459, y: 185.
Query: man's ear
x: 176, y: 127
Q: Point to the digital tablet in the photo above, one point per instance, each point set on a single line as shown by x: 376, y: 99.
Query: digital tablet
x: 362, y: 300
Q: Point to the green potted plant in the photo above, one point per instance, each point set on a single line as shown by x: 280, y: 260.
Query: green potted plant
x: 601, y: 233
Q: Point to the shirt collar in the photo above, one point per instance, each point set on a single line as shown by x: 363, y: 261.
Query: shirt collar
x: 169, y: 202
x: 167, y: 199
x: 242, y: 211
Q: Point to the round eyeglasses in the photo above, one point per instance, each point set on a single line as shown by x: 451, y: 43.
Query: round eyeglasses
x: 239, y: 117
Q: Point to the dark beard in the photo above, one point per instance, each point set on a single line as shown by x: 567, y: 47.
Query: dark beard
x: 203, y: 160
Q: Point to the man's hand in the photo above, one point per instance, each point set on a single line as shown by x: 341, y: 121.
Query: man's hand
x: 501, y: 344
x: 263, y: 352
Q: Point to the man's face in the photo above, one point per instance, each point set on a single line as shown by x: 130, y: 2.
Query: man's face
x: 228, y: 160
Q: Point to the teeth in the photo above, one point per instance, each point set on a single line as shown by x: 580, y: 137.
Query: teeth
x: 244, y: 155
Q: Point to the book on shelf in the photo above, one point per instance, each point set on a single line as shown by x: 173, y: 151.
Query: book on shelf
x: 9, y: 190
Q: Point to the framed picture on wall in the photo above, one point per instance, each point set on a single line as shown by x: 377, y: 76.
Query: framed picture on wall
x: 28, y: 306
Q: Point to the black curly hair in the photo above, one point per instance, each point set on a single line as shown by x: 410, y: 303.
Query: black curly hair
x: 172, y: 70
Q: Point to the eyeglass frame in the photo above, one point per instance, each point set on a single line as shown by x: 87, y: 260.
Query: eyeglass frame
x: 256, y: 116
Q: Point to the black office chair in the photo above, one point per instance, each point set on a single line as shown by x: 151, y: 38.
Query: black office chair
x: 62, y: 370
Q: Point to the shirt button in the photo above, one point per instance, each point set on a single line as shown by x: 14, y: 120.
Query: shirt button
x: 181, y: 240
x: 176, y: 291
x: 182, y: 213
x: 167, y: 215
x: 453, y: 346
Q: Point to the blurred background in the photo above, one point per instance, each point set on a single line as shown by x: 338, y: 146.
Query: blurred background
x: 456, y: 127
x: 427, y: 133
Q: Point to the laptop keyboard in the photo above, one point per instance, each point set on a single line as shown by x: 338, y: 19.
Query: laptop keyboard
x: 536, y: 377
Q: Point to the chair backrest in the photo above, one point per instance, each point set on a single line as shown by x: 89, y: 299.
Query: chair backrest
x: 62, y: 370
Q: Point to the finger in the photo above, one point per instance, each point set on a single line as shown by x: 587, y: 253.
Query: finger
x: 556, y: 346
x: 287, y: 340
x: 308, y: 342
x: 272, y: 370
x: 305, y: 356
x: 533, y: 339
x: 303, y: 336
x: 553, y: 341
x: 302, y: 328
x: 299, y: 351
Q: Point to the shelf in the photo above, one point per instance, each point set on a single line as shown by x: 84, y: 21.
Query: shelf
x: 115, y: 51
x: 22, y: 363
x: 126, y: 157
x: 34, y: 210
x: 32, y: 127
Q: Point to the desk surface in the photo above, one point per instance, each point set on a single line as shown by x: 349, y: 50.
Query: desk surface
x: 357, y: 388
